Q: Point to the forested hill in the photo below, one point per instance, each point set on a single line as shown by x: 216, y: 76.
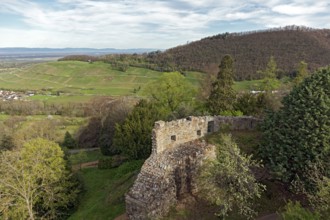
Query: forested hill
x: 252, y: 50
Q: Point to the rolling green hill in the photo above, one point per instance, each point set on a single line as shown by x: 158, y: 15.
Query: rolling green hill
x: 79, y: 79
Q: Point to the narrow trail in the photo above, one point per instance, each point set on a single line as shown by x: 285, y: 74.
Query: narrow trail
x: 122, y: 217
x: 6, y: 80
x: 44, y: 80
x: 68, y: 80
x: 80, y: 166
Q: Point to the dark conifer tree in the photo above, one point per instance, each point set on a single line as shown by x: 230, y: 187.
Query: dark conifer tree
x: 297, y: 137
x: 133, y: 136
x: 68, y: 141
x: 222, y: 94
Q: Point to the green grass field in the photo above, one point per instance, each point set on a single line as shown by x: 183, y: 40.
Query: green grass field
x: 104, y: 189
x: 103, y: 197
x: 63, y: 99
x: 247, y: 85
x: 75, y: 81
x: 88, y: 156
x: 79, y: 81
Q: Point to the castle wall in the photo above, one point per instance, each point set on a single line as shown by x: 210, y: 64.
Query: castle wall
x: 163, y: 180
x: 167, y: 135
x: 170, y: 172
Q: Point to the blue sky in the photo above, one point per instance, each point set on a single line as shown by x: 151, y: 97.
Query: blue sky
x: 146, y: 23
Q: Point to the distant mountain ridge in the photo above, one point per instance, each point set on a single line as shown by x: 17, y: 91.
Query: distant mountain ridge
x: 252, y: 50
x: 22, y: 52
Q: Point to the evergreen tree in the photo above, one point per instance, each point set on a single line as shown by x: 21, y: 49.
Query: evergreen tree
x: 297, y: 136
x: 222, y: 94
x: 117, y: 113
x: 269, y: 80
x: 133, y: 136
x: 69, y: 141
x: 302, y: 73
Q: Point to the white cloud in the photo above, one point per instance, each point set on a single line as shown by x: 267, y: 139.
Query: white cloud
x: 301, y: 9
x: 148, y: 23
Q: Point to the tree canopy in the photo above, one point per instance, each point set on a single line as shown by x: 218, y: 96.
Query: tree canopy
x: 228, y: 181
x: 297, y: 136
x: 117, y: 112
x: 34, y: 182
x: 171, y: 91
x: 133, y: 136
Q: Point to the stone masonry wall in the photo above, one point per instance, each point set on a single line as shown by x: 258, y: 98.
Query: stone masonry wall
x: 166, y: 135
x: 164, y: 179
x: 169, y: 173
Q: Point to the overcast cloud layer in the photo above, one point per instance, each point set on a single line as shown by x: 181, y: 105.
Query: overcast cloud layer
x: 145, y: 23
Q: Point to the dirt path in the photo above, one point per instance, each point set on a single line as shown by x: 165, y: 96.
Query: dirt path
x: 66, y: 81
x: 75, y: 151
x: 85, y: 165
x: 121, y: 217
x: 43, y: 80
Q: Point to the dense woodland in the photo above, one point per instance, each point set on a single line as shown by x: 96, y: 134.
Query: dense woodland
x: 252, y: 50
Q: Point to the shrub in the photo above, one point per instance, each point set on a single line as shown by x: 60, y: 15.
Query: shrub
x: 105, y: 163
x: 228, y: 180
x: 231, y: 113
x: 294, y: 211
x: 68, y: 141
x: 118, y: 160
x: 127, y: 167
x: 255, y: 104
x: 7, y: 143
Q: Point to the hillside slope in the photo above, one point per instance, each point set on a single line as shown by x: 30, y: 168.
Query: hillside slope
x: 252, y: 50
x: 80, y: 78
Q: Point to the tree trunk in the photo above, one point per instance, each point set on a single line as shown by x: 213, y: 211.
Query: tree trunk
x: 30, y: 209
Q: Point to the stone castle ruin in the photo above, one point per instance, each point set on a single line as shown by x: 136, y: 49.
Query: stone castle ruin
x: 169, y: 173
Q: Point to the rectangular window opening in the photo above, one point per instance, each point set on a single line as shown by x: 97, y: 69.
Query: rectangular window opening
x: 173, y: 137
x: 210, y: 126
